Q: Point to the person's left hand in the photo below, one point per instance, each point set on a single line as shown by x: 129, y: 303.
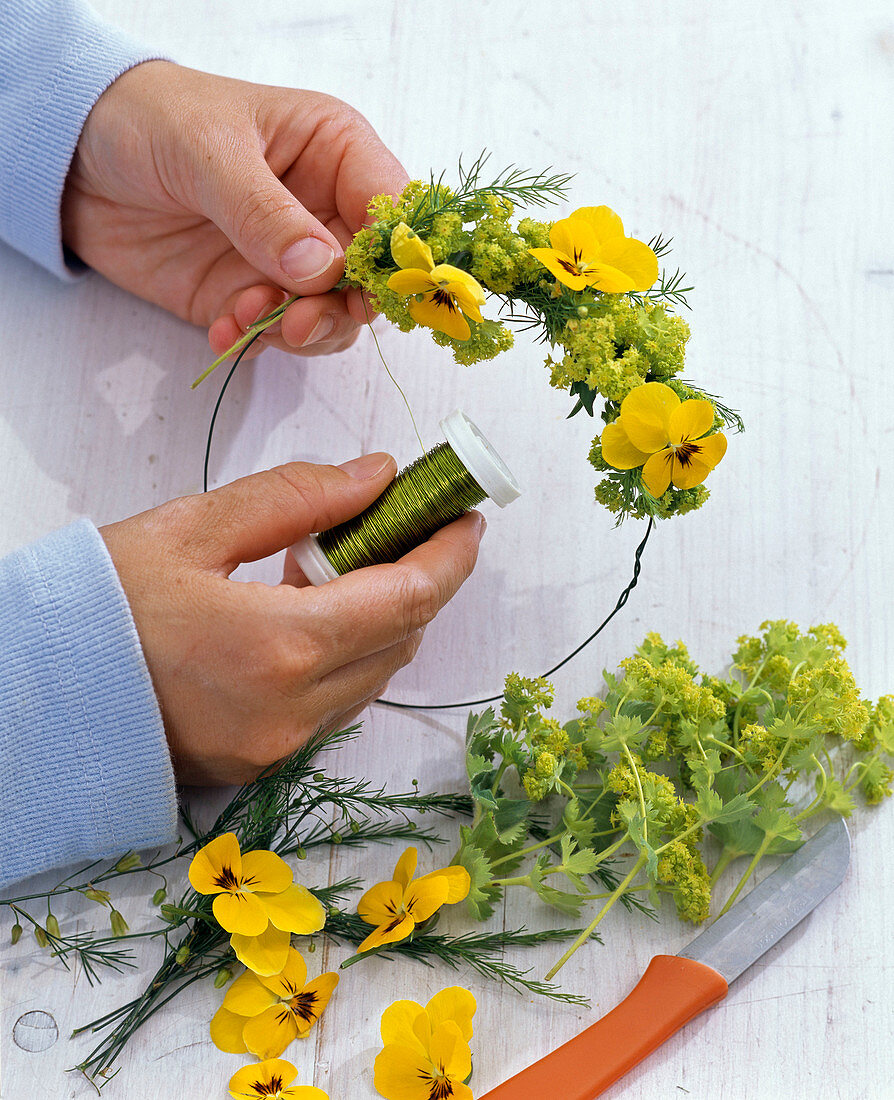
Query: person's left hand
x: 213, y: 197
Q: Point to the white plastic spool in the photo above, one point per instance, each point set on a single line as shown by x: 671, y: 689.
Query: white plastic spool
x: 475, y: 453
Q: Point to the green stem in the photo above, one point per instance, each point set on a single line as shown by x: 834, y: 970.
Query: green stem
x: 527, y: 851
x: 728, y: 748
x: 758, y: 856
x: 639, y: 787
x: 725, y: 859
x: 249, y: 334
x: 591, y: 927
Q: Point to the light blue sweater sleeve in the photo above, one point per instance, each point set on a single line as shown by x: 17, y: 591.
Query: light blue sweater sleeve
x: 84, y: 766
x: 57, y: 57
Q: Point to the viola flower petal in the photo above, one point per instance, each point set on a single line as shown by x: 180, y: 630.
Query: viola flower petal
x: 265, y: 1079
x: 411, y: 281
x: 265, y: 871
x: 269, y: 1033
x: 690, y: 420
x: 381, y: 903
x: 291, y: 978
x: 226, y: 1031
x: 408, y: 249
x: 645, y: 413
x: 248, y: 996
x: 216, y: 866
x: 397, y: 1022
x: 458, y: 882
x: 310, y: 1003
x: 657, y: 472
x: 405, y: 867
x: 264, y: 954
x: 574, y: 238
x: 449, y: 1050
x: 294, y: 909
x: 561, y: 266
x: 456, y: 281
x: 402, y: 1073
x: 712, y: 448
x: 635, y: 259
x: 602, y: 221
x: 688, y: 474
x: 425, y: 896
x: 617, y: 450
x: 453, y: 1003
x: 443, y: 317
x: 694, y: 461
x: 608, y: 279
x: 240, y: 912
x: 398, y: 929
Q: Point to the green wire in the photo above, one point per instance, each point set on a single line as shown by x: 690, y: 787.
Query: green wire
x: 429, y: 493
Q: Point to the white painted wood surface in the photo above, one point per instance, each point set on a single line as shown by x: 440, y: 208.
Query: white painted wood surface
x: 760, y: 137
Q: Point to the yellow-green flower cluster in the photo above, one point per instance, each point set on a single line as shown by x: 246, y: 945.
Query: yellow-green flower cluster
x: 829, y: 697
x: 615, y: 345
x: 501, y: 258
x: 681, y: 867
x: 554, y: 757
x: 665, y: 678
x: 625, y: 793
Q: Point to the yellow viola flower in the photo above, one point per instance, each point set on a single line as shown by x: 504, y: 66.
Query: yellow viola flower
x: 407, y: 1022
x: 589, y: 249
x: 271, y: 1080
x: 425, y: 1054
x: 397, y: 906
x: 666, y: 436
x: 253, y: 890
x: 264, y: 1014
x: 441, y: 294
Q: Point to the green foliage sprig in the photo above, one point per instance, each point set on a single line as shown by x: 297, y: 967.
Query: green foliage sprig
x: 627, y: 792
x: 290, y: 810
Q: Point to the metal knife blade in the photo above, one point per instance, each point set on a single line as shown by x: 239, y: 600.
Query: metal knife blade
x: 783, y: 899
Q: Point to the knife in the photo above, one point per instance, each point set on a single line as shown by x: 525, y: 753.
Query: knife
x: 674, y: 988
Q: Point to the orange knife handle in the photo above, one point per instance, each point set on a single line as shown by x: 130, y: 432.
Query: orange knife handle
x: 667, y: 996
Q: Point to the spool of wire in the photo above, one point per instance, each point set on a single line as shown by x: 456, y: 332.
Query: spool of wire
x: 428, y: 494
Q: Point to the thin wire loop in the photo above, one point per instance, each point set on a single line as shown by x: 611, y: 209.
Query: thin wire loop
x: 622, y: 599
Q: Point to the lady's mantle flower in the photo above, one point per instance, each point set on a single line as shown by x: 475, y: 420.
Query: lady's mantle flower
x: 442, y: 294
x: 664, y: 435
x: 425, y: 1053
x: 271, y: 1081
x: 264, y: 1014
x: 589, y: 249
x: 396, y: 907
x: 256, y: 901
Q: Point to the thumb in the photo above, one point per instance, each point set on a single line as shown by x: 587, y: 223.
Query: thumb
x: 264, y: 513
x: 272, y: 230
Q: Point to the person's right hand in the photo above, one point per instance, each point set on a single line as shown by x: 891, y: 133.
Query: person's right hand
x: 245, y: 672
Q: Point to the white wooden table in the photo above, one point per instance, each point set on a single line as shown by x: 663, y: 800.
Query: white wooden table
x: 760, y: 137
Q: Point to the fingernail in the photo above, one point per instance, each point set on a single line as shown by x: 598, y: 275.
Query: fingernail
x: 482, y: 526
x: 307, y: 258
x: 366, y: 466
x: 323, y: 328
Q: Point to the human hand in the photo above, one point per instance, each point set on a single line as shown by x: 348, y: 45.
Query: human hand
x: 217, y: 199
x: 245, y: 672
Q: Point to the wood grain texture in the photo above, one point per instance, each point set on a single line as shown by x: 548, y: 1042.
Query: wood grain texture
x: 761, y: 139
